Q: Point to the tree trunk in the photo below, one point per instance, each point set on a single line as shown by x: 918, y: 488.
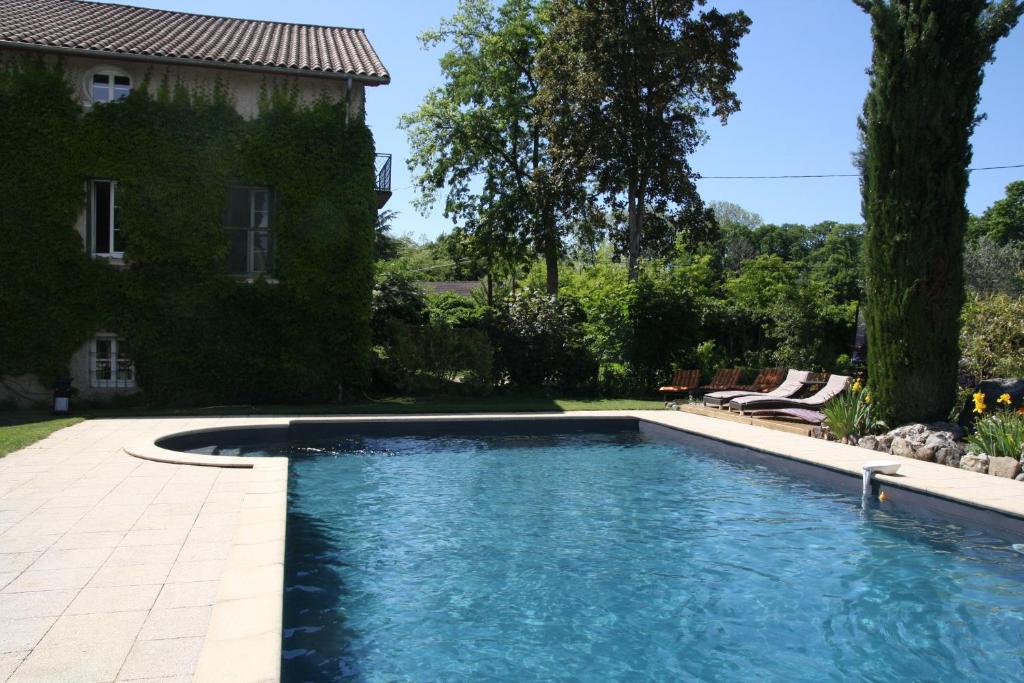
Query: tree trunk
x: 918, y: 118
x: 635, y: 221
x: 550, y: 240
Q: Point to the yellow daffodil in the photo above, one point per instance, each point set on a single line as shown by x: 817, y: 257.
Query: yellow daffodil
x: 857, y: 386
x: 867, y: 398
x: 1004, y: 399
x: 979, y: 403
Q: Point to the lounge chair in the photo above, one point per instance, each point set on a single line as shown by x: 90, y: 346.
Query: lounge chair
x: 722, y: 381
x: 683, y: 382
x: 813, y: 417
x: 835, y: 386
x: 769, y: 378
x: 793, y: 383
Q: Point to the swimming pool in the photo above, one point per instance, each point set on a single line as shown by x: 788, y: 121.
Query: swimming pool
x: 617, y: 556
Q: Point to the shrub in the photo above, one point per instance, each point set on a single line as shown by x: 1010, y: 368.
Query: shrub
x: 999, y: 434
x: 452, y: 310
x: 851, y: 414
x: 396, y: 298
x: 992, y: 337
x: 539, y: 341
x: 436, y: 357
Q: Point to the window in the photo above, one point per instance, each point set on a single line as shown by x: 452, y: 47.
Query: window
x: 104, y: 224
x: 247, y: 224
x: 110, y: 365
x: 108, y: 86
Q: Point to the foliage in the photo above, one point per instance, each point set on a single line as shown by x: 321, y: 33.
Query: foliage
x: 452, y: 310
x: 1003, y: 221
x: 999, y: 434
x: 926, y: 72
x: 851, y: 414
x: 624, y: 89
x: 538, y: 341
x: 993, y: 268
x: 396, y: 298
x: 198, y: 335
x: 49, y: 288
x: 992, y: 337
x: 477, y: 137
x: 433, y: 357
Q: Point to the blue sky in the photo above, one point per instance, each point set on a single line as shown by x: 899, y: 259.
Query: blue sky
x: 802, y: 86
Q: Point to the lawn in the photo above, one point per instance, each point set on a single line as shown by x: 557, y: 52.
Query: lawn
x: 18, y: 430
x: 405, y: 405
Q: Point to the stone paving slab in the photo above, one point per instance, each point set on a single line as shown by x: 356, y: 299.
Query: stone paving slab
x: 110, y: 565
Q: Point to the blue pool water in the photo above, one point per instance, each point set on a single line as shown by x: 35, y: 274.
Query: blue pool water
x: 614, y: 558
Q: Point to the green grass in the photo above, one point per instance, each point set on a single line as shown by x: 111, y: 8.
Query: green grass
x: 18, y: 430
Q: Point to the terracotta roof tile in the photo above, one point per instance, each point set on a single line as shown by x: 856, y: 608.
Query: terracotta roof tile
x: 103, y: 27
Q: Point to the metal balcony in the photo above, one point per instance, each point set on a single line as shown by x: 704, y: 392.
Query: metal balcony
x: 382, y: 168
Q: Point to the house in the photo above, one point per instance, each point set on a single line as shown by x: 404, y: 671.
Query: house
x: 107, y: 52
x: 465, y: 288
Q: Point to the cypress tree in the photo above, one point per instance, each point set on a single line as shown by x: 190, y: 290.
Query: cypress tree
x: 926, y: 72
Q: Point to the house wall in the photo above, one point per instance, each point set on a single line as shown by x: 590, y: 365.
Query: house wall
x: 245, y: 89
x: 244, y: 86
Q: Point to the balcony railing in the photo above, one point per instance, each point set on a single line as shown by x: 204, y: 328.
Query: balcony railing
x: 382, y: 167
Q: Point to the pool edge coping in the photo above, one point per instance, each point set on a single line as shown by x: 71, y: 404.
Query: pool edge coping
x: 243, y: 639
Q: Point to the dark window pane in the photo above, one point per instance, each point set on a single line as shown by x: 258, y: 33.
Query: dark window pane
x: 122, y: 86
x: 260, y: 252
x: 101, y: 88
x: 261, y: 208
x: 102, y: 214
x: 102, y: 363
x: 238, y: 208
x: 115, y: 221
x: 238, y: 252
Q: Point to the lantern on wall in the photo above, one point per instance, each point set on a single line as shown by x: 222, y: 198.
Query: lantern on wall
x: 62, y: 396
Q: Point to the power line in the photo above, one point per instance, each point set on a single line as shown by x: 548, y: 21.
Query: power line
x: 828, y: 175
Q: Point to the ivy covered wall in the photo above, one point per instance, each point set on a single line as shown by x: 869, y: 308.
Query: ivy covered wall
x: 197, y: 335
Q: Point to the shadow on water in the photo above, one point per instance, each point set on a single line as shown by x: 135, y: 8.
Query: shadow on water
x: 317, y: 639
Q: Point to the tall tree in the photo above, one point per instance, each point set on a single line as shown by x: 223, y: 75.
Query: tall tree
x: 1003, y: 221
x: 926, y: 71
x: 476, y: 137
x: 625, y: 87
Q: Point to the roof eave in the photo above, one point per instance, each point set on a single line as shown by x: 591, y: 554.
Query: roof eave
x: 188, y: 61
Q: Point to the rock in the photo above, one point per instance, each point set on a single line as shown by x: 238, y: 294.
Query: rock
x: 1020, y: 477
x: 975, y: 462
x: 868, y: 442
x: 926, y: 453
x: 993, y: 389
x: 949, y: 456
x: 1004, y: 467
x: 902, y: 447
x: 934, y: 442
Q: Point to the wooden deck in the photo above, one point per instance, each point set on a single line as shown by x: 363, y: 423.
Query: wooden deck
x: 779, y: 425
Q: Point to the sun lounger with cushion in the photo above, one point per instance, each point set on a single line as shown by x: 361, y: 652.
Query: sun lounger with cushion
x: 793, y: 383
x: 835, y: 386
x: 813, y: 417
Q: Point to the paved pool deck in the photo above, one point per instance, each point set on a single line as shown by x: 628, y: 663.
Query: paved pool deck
x: 120, y: 561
